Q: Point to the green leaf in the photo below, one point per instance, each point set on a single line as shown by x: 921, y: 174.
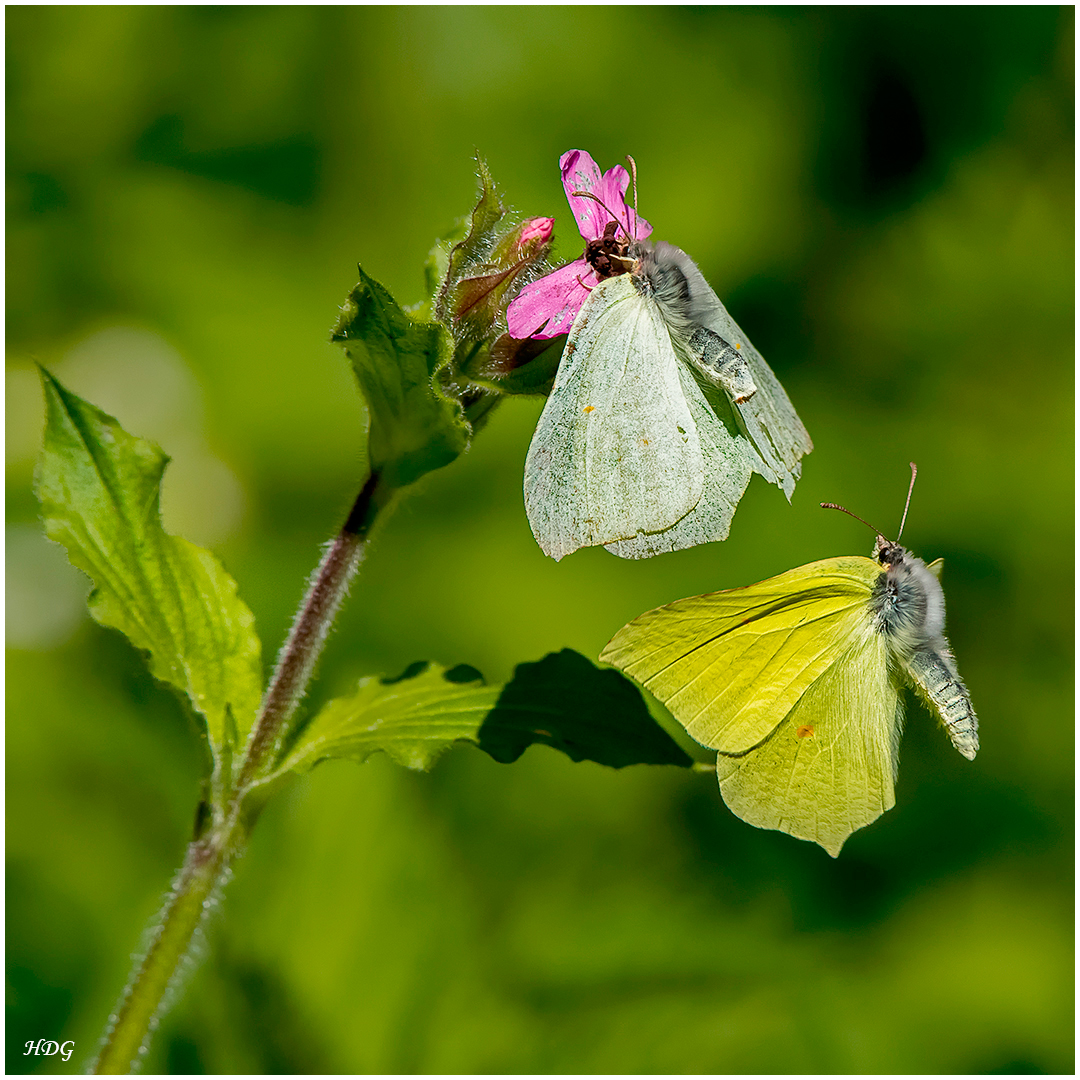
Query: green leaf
x: 486, y: 215
x: 437, y: 264
x: 589, y: 713
x: 517, y: 366
x: 413, y: 718
x: 414, y: 426
x: 99, y: 490
x: 469, y: 239
x: 563, y: 701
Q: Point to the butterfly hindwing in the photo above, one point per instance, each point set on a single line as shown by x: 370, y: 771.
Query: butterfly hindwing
x: 731, y: 665
x: 727, y: 469
x: 829, y: 766
x: 616, y: 451
x: 768, y: 417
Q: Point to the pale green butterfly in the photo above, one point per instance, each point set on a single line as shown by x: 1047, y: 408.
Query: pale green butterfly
x: 795, y: 682
x: 660, y: 411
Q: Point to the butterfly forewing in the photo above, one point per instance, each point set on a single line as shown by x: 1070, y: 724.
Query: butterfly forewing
x: 731, y: 665
x: 616, y: 451
x: 829, y: 766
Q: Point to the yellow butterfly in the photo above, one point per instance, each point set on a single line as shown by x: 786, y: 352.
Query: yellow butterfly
x: 795, y: 682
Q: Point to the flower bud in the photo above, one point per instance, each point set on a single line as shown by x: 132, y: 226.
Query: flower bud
x: 477, y: 302
x: 538, y: 229
x: 524, y: 242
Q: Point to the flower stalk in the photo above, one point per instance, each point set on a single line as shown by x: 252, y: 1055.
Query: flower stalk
x: 424, y: 403
x: 209, y: 857
x: 158, y: 972
x: 304, y: 645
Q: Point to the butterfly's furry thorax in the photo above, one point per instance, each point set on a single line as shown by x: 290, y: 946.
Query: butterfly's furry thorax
x: 907, y: 600
x: 662, y: 273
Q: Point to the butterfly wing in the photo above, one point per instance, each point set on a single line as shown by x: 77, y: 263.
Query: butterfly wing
x: 727, y: 472
x: 731, y: 665
x: 768, y: 417
x: 830, y: 765
x: 790, y: 682
x: 616, y: 451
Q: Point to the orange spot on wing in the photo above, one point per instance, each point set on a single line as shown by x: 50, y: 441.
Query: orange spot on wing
x: 645, y: 442
x: 738, y: 346
x: 589, y: 408
x: 805, y: 732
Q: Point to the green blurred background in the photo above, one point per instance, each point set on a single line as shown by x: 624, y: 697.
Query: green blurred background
x: 883, y: 197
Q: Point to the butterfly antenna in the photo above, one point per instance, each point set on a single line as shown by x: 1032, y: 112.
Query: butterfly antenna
x: 633, y: 173
x: 911, y: 487
x: 590, y: 195
x: 845, y: 510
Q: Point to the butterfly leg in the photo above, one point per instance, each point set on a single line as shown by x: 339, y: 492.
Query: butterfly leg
x: 723, y: 364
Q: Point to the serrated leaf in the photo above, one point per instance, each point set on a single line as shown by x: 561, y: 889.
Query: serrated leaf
x: 414, y: 426
x: 563, y: 701
x: 413, y: 719
x: 99, y: 489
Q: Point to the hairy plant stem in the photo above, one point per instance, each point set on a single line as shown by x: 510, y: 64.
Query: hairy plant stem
x: 305, y: 642
x: 159, y: 970
x: 208, y: 858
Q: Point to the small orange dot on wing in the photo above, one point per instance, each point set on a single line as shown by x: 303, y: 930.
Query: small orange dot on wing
x: 589, y: 408
x: 805, y: 732
x: 737, y: 346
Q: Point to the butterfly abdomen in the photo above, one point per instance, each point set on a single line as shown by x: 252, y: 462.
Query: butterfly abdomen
x: 934, y: 673
x: 722, y: 362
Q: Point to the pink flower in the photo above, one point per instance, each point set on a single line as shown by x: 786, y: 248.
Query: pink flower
x: 547, y: 307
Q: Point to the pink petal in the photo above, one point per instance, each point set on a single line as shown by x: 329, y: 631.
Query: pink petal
x: 581, y: 173
x: 612, y: 191
x: 548, y: 307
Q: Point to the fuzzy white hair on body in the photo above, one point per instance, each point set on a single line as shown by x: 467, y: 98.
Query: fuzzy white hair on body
x: 909, y: 603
